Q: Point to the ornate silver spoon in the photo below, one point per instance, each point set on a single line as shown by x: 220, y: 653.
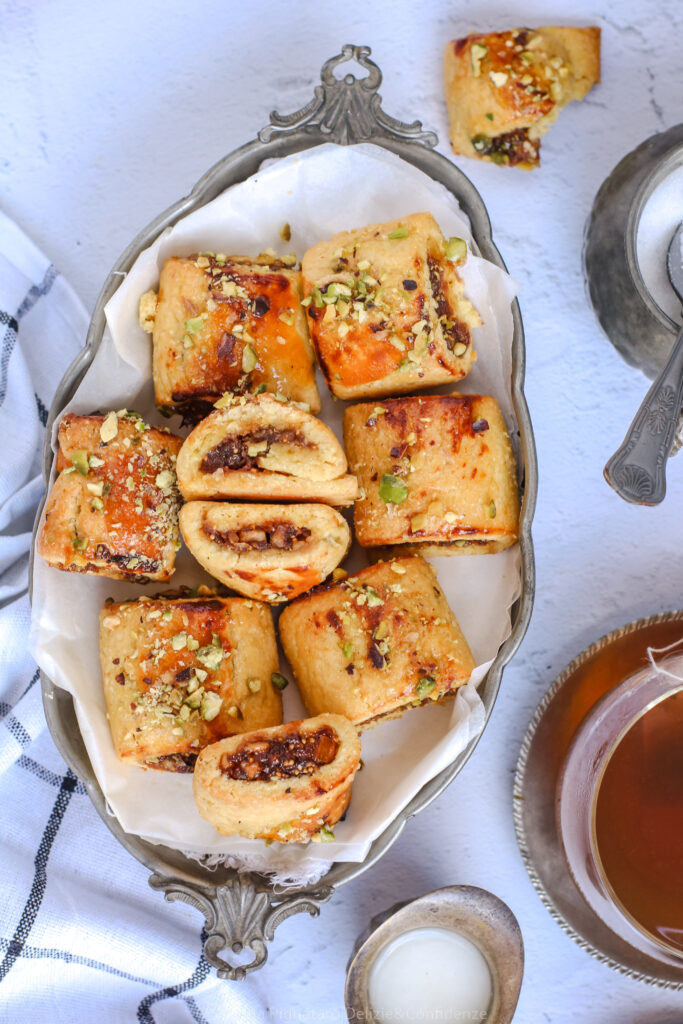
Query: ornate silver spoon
x: 637, y: 469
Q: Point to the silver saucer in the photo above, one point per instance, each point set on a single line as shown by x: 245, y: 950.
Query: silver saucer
x: 640, y: 331
x: 572, y: 695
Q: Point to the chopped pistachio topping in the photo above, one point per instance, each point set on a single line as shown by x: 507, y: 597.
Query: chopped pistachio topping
x: 210, y: 656
x: 347, y: 649
x: 192, y: 643
x: 492, y: 510
x: 285, y: 232
x: 373, y: 598
x: 499, y: 78
x: 235, y: 712
x: 392, y: 490
x: 279, y: 681
x: 210, y: 706
x: 326, y: 834
x: 165, y: 479
x: 418, y: 522
x: 194, y: 325
x: 456, y: 250
x: 109, y: 428
x: 425, y: 687
x: 477, y: 54
x: 179, y: 641
x: 97, y: 504
x: 94, y: 462
x: 398, y: 569
x: 249, y: 358
x: 80, y: 543
x: 287, y: 317
x: 80, y: 461
x: 339, y: 574
x: 400, y: 232
x: 489, y: 117
x: 254, y: 685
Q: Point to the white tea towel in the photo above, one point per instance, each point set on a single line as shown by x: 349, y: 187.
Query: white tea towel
x: 82, y: 936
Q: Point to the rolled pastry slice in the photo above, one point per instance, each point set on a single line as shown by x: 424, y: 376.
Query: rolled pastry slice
x: 258, y: 447
x: 437, y: 473
x: 181, y: 673
x: 505, y: 89
x: 387, y: 310
x: 375, y: 644
x: 228, y: 323
x: 269, y: 552
x: 113, y: 509
x: 289, y: 784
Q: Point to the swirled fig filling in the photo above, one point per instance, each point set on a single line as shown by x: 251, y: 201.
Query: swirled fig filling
x: 173, y: 763
x: 454, y: 331
x: 242, y: 451
x: 293, y: 755
x: 282, y: 536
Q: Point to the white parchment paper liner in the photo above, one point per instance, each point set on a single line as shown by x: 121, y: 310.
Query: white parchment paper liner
x: 318, y: 193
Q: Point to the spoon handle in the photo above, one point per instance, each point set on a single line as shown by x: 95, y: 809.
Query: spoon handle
x: 636, y: 471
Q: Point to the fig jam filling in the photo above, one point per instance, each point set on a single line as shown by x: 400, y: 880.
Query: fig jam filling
x: 454, y: 331
x: 259, y: 537
x: 509, y: 148
x: 173, y: 763
x: 234, y: 452
x: 263, y: 760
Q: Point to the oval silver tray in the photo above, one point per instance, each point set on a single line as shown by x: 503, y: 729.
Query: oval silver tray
x: 243, y: 909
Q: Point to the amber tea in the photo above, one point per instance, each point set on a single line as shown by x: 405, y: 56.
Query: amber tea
x: 638, y: 822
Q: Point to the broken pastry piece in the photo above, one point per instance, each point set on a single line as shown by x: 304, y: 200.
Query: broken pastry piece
x: 228, y: 323
x: 179, y: 674
x: 386, y: 308
x: 436, y: 472
x: 113, y: 509
x: 289, y: 784
x: 505, y: 89
x: 270, y: 552
x: 262, y: 448
x: 375, y: 644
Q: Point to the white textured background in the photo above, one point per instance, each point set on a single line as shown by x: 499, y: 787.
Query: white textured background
x: 110, y: 112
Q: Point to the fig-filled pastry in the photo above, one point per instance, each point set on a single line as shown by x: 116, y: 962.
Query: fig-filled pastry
x: 270, y: 552
x: 505, y: 89
x: 180, y: 673
x: 260, y: 447
x: 291, y: 783
x: 228, y: 323
x: 436, y: 472
x: 375, y: 644
x: 386, y: 307
x: 113, y: 509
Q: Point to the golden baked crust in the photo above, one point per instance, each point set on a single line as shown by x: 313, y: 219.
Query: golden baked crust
x: 228, y: 324
x: 505, y: 89
x: 376, y: 643
x: 434, y: 470
x: 387, y: 311
x: 288, y: 784
x: 181, y: 673
x: 113, y: 509
x: 258, y: 447
x: 270, y: 552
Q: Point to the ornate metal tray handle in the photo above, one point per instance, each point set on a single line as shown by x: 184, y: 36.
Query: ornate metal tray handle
x: 241, y: 914
x: 347, y: 110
